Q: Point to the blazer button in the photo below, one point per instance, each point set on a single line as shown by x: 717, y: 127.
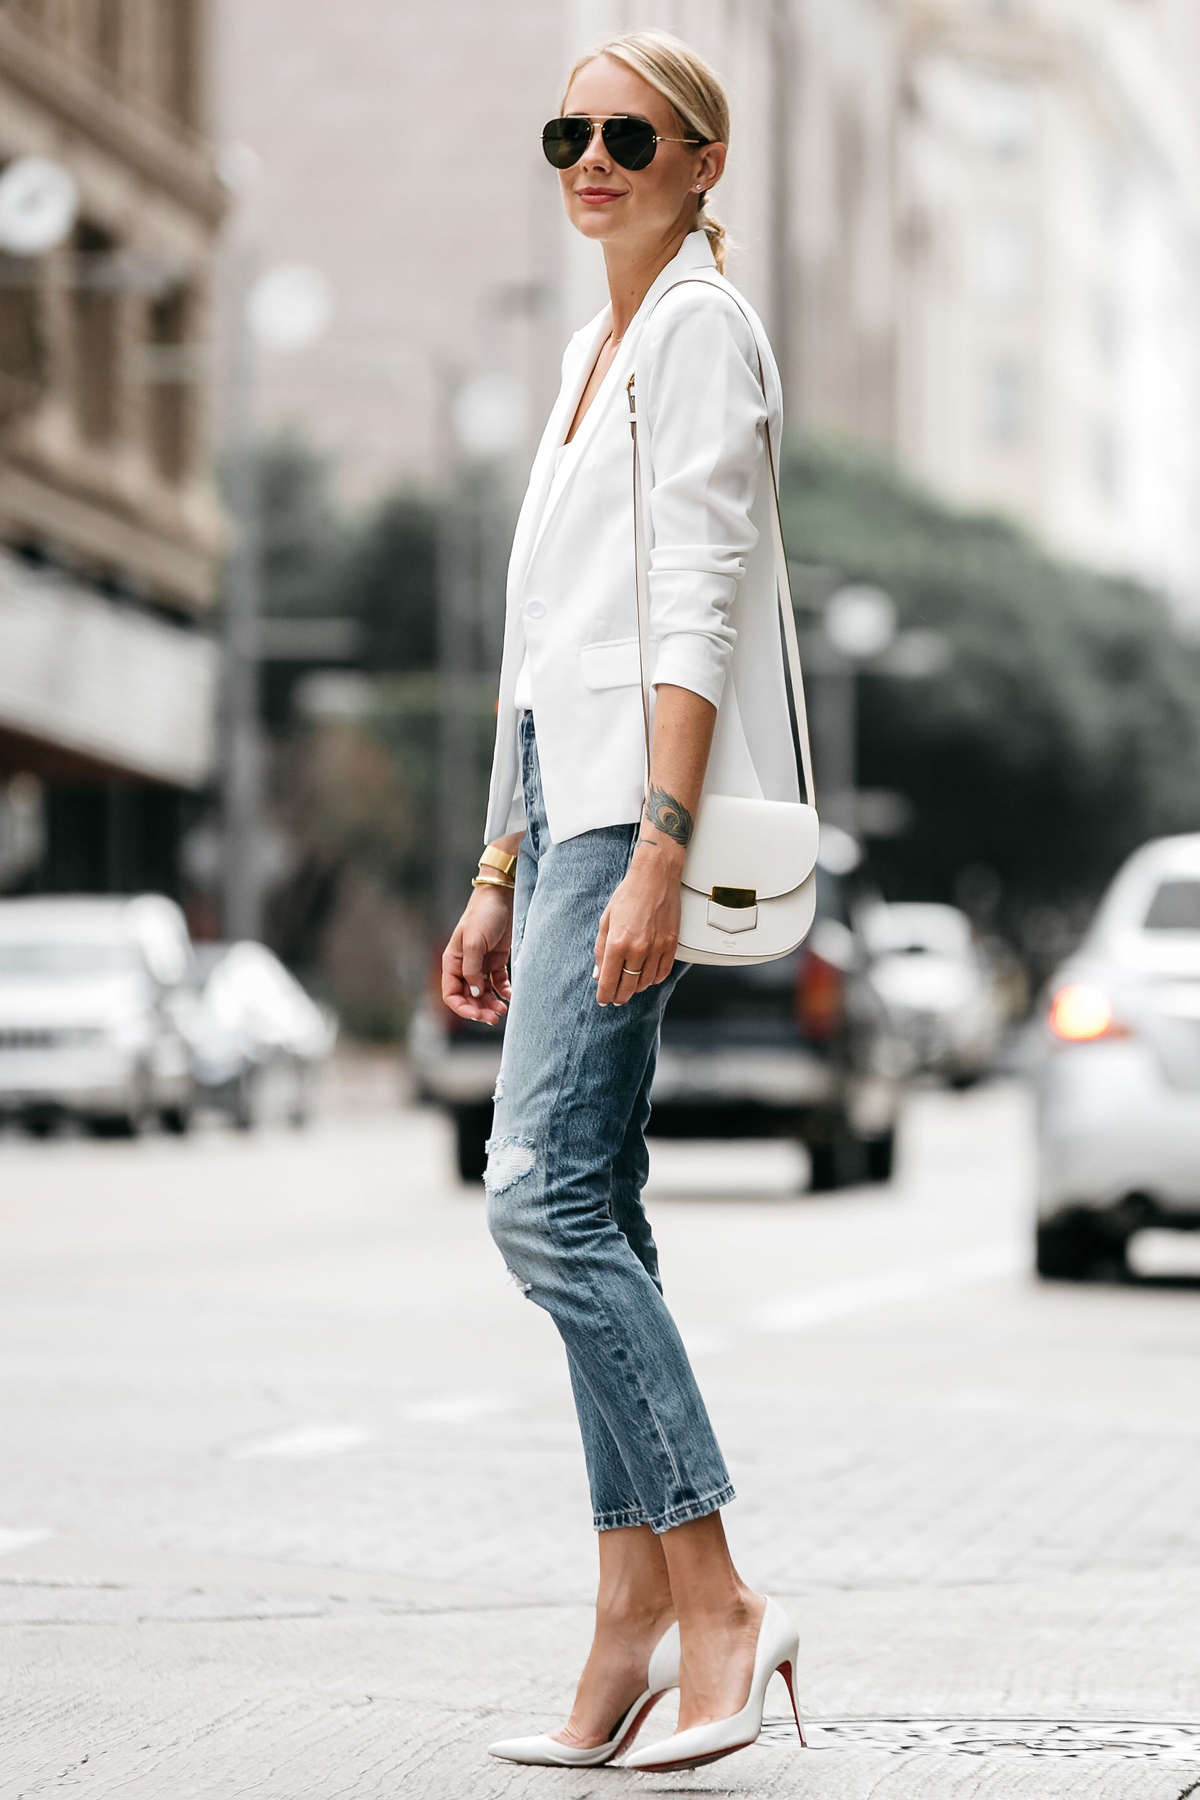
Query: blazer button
x: 536, y: 610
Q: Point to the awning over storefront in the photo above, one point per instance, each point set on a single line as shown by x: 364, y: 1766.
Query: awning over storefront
x: 84, y: 675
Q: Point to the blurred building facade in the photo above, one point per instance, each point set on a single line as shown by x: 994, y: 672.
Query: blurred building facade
x: 973, y: 227
x: 1018, y: 308
x: 109, y: 528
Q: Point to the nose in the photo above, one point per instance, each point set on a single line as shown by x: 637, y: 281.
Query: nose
x: 597, y: 150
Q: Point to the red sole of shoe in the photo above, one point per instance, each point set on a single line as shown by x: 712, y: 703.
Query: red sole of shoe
x: 695, y: 1762
x: 691, y: 1762
x: 633, y: 1730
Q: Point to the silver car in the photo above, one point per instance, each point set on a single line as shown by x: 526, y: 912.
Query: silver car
x: 88, y: 1021
x: 1118, y: 1071
x: 257, y: 1039
x: 938, y: 985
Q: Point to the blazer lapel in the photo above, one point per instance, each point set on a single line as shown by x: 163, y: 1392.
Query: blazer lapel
x: 694, y: 255
x: 540, y: 493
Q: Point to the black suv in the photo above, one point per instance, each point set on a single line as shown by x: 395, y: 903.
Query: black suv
x: 801, y: 1048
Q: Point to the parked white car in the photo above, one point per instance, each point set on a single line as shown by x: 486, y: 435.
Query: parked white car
x: 1118, y: 1076
x: 256, y: 1037
x: 938, y: 985
x: 89, y: 1025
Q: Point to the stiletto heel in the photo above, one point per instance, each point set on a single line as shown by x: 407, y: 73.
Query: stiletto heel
x: 661, y: 1676
x: 785, y: 1669
x: 775, y: 1654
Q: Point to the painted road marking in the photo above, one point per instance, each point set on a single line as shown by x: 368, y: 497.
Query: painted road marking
x: 307, y: 1440
x: 923, y: 1280
x: 20, y: 1539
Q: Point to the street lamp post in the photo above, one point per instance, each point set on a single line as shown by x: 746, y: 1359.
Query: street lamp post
x: 287, y: 308
x: 487, y: 416
x: 241, y: 766
x: 861, y: 635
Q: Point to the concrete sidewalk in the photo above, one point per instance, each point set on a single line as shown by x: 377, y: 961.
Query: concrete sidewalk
x: 292, y: 1502
x: 151, y: 1674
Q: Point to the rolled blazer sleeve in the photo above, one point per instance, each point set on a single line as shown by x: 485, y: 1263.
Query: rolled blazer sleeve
x: 704, y: 412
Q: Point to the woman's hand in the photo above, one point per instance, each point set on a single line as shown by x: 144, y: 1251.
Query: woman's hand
x: 475, y: 964
x: 640, y: 927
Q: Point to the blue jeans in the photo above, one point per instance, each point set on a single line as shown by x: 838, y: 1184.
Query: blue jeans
x: 566, y: 1166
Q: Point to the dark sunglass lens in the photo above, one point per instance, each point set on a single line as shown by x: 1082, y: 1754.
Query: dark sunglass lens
x: 631, y: 142
x: 565, y: 140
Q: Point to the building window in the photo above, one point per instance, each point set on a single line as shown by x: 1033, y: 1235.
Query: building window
x: 1005, y: 117
x: 105, y: 36
x: 177, y: 59
x: 32, y: 10
x: 96, y: 366
x: 1004, y: 402
x: 171, y: 389
x: 21, y: 350
x: 1003, y: 260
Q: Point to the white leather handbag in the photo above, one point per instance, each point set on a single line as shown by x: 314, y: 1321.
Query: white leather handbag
x: 749, y: 889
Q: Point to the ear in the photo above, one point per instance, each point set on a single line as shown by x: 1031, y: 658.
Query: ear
x: 710, y: 166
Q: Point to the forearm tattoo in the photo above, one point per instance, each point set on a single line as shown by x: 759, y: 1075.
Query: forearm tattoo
x: 669, y: 816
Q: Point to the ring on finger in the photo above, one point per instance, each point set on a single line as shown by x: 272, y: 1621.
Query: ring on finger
x: 626, y: 971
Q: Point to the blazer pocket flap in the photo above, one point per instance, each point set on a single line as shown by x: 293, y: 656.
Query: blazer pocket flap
x: 611, y: 664
x: 744, y: 848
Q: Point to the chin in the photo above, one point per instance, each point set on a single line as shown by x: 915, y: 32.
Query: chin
x: 599, y: 224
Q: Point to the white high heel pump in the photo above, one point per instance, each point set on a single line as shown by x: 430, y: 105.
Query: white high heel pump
x: 778, y: 1645
x: 661, y: 1676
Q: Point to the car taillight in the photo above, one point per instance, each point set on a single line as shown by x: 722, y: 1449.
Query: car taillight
x: 1082, y: 1014
x: 820, y: 998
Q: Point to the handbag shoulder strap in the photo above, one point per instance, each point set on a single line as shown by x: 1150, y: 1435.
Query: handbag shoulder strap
x: 783, y: 585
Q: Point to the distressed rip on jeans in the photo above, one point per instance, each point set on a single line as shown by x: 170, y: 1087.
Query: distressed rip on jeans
x: 509, y: 1160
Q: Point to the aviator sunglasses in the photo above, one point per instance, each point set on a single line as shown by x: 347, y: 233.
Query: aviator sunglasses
x: 629, y: 140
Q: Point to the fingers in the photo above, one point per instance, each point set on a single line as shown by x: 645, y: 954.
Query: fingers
x: 666, y: 962
x: 610, y: 965
x: 623, y: 971
x: 602, y: 939
x: 470, y: 988
x: 498, y: 981
x: 474, y: 953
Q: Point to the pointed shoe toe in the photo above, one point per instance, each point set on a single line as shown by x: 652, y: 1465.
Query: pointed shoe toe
x: 778, y: 1644
x: 548, y: 1752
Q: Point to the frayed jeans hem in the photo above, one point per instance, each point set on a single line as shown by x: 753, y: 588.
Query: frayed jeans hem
x: 674, y: 1515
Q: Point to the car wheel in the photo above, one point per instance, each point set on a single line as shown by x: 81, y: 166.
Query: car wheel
x: 472, y: 1128
x: 837, y: 1163
x: 243, y: 1114
x: 40, y: 1124
x: 881, y: 1156
x: 300, y: 1110
x: 177, y: 1120
x: 1075, y: 1247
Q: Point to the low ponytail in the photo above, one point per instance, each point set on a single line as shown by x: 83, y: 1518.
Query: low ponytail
x: 692, y: 88
x: 716, y: 234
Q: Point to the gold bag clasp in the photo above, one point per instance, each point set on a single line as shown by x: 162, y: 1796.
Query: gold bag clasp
x: 737, y: 899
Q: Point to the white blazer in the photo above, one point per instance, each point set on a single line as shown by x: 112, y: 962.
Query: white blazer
x: 713, y: 621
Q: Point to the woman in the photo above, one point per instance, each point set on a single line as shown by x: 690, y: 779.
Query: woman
x: 579, y: 884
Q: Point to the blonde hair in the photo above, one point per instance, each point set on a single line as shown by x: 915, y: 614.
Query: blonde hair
x: 686, y: 81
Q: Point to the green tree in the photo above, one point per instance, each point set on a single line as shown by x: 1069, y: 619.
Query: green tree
x: 303, y: 536
x: 1065, y: 729
x: 389, y: 582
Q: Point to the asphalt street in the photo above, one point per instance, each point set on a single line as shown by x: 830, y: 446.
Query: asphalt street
x: 292, y: 1503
